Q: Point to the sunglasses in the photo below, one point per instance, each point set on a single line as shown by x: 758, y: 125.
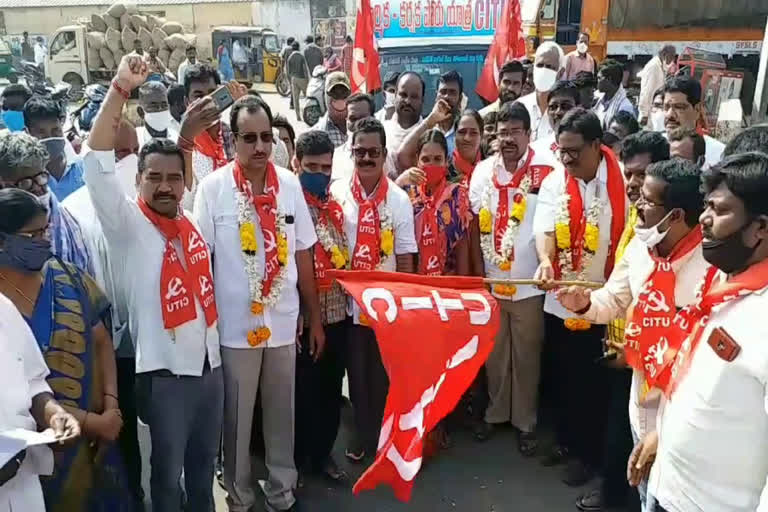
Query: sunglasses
x: 40, y: 179
x: 361, y: 152
x: 253, y: 138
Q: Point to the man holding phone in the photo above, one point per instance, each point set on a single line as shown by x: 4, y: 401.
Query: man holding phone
x: 255, y: 218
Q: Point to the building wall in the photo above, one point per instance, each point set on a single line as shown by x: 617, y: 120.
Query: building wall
x: 196, y: 18
x: 286, y: 17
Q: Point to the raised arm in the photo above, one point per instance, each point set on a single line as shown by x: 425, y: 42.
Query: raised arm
x: 406, y: 154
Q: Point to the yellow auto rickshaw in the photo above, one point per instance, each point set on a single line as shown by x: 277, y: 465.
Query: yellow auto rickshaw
x: 255, y: 51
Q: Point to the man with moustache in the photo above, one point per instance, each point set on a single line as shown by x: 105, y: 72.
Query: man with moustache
x: 379, y: 226
x: 171, y: 307
x: 687, y: 144
x: 714, y: 423
x: 511, y: 79
x: 408, y: 105
x: 443, y: 117
x: 255, y: 218
x: 497, y: 185
x: 563, y: 98
x: 155, y: 111
x: 334, y: 121
x: 682, y: 109
x: 547, y: 67
x: 579, y: 219
x: 667, y: 233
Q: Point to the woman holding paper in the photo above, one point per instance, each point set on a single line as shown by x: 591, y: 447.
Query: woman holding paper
x: 64, y: 309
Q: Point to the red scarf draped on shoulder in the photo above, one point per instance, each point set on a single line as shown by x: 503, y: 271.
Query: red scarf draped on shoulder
x: 433, y: 244
x: 329, y: 213
x: 465, y: 167
x: 266, y: 209
x: 650, y: 317
x: 367, y: 253
x: 212, y: 148
x: 179, y: 287
x: 578, y: 221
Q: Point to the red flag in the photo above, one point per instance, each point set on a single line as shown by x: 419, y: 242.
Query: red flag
x: 508, y: 43
x: 366, y: 75
x: 434, y: 334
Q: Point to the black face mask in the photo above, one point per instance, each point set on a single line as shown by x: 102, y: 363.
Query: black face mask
x: 729, y: 254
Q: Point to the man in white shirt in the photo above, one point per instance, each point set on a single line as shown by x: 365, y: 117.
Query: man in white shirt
x: 714, y: 424
x: 41, y: 52
x: 682, y: 109
x: 652, y: 79
x: 547, y: 66
x: 667, y: 232
x: 26, y: 403
x: 378, y: 223
x: 239, y: 56
x: 614, y: 98
x: 513, y: 366
x: 408, y: 106
x: 583, y: 196
x: 154, y: 110
x: 191, y: 60
x: 256, y: 220
x: 171, y: 307
x: 563, y: 98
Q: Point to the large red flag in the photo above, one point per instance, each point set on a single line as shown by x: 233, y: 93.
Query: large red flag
x: 508, y: 43
x: 434, y: 334
x: 366, y: 75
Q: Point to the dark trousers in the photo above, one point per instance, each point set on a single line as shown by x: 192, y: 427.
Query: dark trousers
x: 368, y: 386
x: 580, y: 389
x: 129, y: 435
x: 318, y: 397
x: 618, y: 443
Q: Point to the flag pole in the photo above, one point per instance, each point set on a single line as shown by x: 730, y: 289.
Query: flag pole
x: 536, y: 282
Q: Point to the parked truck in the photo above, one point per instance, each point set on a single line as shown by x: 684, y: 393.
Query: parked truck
x: 67, y: 59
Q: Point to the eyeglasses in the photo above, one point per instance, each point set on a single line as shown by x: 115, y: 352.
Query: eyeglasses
x: 361, y: 152
x: 642, y: 201
x: 36, y: 233
x: 572, y: 154
x: 253, y: 138
x: 40, y: 179
x: 508, y: 134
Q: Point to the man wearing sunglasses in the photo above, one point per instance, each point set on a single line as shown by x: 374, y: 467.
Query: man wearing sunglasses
x: 22, y: 165
x: 255, y: 218
x: 378, y: 224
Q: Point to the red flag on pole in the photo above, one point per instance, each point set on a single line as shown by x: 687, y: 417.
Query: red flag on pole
x: 434, y: 334
x: 366, y: 75
x: 508, y: 43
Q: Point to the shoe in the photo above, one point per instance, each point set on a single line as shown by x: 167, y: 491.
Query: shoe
x: 483, y: 431
x: 333, y: 473
x: 293, y: 508
x: 577, y: 473
x: 591, y: 501
x: 558, y: 455
x: 355, y: 453
x: 527, y: 443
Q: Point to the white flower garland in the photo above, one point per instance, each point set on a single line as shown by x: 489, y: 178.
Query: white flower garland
x: 327, y: 242
x: 565, y: 256
x: 246, y: 213
x: 385, y: 224
x: 511, y: 231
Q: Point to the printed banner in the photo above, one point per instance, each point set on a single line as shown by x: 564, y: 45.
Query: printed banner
x: 425, y: 18
x: 434, y: 334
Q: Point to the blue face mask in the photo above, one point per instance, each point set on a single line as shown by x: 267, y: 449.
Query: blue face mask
x: 316, y: 183
x: 24, y: 253
x: 13, y: 120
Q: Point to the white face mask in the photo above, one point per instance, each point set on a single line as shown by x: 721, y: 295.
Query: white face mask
x: 581, y: 48
x: 389, y: 99
x: 158, y: 121
x: 652, y: 236
x: 126, y: 170
x: 657, y: 121
x: 544, y: 79
x: 45, y: 199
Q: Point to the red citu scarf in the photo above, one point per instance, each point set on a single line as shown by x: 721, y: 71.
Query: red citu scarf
x: 650, y: 318
x: 578, y: 221
x: 211, y: 148
x: 175, y: 283
x: 465, y: 167
x: 367, y: 253
x: 266, y: 209
x: 329, y: 213
x: 433, y: 245
x: 690, y: 322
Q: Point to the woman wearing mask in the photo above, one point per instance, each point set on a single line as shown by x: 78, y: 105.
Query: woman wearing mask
x: 64, y: 309
x: 469, y: 137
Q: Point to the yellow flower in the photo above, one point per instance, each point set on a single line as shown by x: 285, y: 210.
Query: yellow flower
x: 363, y: 319
x: 387, y: 242
x: 248, y: 238
x: 337, y: 257
x: 591, y: 238
x: 257, y: 308
x: 282, y: 256
x: 486, y: 220
x: 505, y: 265
x: 518, y: 211
x: 563, y: 236
x: 577, y: 324
x: 505, y: 290
x: 282, y: 241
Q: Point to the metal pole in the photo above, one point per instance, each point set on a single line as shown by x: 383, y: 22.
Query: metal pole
x: 761, y: 86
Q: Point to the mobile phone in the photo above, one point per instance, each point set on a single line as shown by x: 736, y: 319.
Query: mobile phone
x: 223, y: 98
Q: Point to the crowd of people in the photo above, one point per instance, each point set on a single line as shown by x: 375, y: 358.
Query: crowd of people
x: 176, y: 272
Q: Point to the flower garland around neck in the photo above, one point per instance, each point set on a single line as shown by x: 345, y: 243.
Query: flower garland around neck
x: 503, y: 258
x: 338, y: 254
x: 386, y: 228
x: 565, y: 251
x: 253, y: 268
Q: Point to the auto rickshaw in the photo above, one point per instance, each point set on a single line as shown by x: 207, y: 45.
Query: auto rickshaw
x: 262, y: 49
x: 7, y: 70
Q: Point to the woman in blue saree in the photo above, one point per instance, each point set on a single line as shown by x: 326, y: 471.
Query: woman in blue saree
x: 66, y: 312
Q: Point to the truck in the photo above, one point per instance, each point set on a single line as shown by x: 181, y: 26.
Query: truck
x: 67, y: 59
